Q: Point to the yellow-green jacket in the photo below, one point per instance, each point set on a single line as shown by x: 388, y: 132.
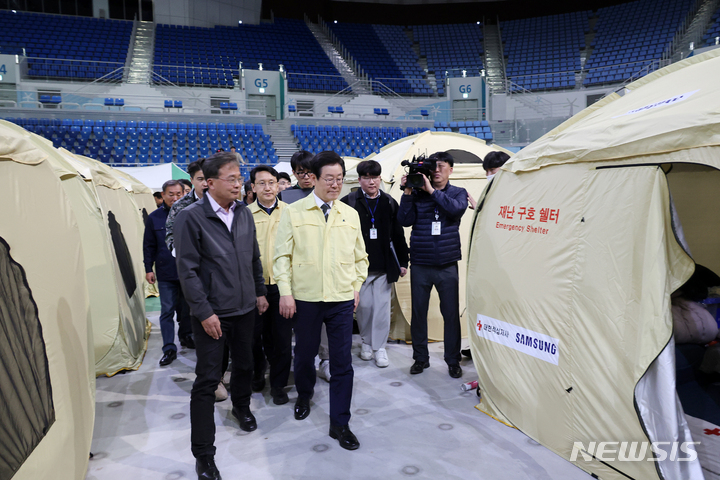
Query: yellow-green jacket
x: 317, y: 261
x: 266, y: 228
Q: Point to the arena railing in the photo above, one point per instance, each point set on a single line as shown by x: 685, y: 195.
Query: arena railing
x: 91, y: 98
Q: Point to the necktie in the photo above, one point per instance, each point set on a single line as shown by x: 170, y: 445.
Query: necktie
x: 325, y: 208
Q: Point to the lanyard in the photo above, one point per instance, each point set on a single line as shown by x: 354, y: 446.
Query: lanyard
x: 372, y: 212
x: 437, y: 216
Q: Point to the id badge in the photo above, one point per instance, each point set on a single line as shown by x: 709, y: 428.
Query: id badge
x: 436, y: 228
x: 373, y: 233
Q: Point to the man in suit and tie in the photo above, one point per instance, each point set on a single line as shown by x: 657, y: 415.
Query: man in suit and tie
x: 320, y: 266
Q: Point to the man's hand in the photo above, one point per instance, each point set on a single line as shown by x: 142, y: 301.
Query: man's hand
x: 403, y: 181
x: 403, y: 271
x: 150, y: 277
x: 428, y: 186
x: 287, y: 306
x: 262, y: 304
x: 471, y: 201
x: 357, y: 300
x: 212, y: 327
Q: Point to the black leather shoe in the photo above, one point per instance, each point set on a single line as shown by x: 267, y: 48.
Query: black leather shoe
x: 280, y: 398
x: 466, y: 353
x: 418, y: 367
x: 206, y: 469
x: 246, y: 419
x: 302, y: 408
x: 342, y: 434
x: 187, y: 342
x: 455, y: 371
x: 168, y: 358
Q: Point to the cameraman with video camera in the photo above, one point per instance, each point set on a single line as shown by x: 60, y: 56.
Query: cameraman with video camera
x: 433, y: 208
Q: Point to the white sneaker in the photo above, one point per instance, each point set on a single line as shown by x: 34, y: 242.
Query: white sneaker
x: 381, y: 359
x: 221, y: 393
x: 324, y: 370
x: 366, y: 353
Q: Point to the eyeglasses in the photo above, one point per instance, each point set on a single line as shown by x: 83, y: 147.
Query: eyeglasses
x: 270, y: 184
x: 333, y: 181
x: 231, y: 180
x: 299, y: 174
x: 370, y: 179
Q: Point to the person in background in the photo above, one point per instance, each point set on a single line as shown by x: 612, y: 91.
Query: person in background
x: 187, y: 185
x: 388, y: 255
x: 302, y: 170
x: 320, y: 266
x: 273, y: 332
x: 249, y: 195
x: 284, y: 181
x: 156, y: 253
x: 221, y: 274
x: 301, y: 164
x: 491, y: 164
x: 158, y: 199
x: 233, y: 149
x: 434, y: 213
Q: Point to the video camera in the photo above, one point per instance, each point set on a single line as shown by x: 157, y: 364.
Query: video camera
x: 417, y: 168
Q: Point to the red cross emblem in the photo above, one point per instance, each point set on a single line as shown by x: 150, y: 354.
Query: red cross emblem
x: 479, y: 325
x: 712, y: 432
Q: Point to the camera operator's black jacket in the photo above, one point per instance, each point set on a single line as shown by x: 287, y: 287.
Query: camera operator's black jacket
x: 389, y: 229
x: 418, y: 211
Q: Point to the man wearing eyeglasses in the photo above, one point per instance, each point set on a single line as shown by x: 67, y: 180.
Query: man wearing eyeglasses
x: 273, y: 332
x: 320, y: 266
x: 301, y: 164
x: 218, y: 262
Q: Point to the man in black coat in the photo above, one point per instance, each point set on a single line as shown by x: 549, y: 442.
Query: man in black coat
x: 219, y: 266
x: 156, y: 253
x: 434, y: 213
x: 388, y: 254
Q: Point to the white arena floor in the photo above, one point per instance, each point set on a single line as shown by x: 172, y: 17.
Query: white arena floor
x: 421, y: 427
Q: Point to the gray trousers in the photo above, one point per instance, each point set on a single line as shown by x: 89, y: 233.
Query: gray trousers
x: 373, y: 311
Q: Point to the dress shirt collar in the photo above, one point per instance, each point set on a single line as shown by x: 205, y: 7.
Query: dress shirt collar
x: 216, y: 206
x: 320, y: 202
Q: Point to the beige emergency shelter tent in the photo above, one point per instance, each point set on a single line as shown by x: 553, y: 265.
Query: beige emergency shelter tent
x: 469, y: 175
x: 104, y: 295
x: 47, y: 383
x: 145, y: 202
x: 572, y: 262
x: 120, y: 339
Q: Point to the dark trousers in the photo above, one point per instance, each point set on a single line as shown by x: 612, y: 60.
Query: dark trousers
x: 237, y: 332
x: 273, y: 339
x: 172, y: 301
x: 445, y: 280
x: 338, y: 319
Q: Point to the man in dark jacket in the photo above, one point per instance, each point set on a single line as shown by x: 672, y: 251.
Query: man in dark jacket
x: 220, y: 271
x: 155, y: 252
x: 434, y: 214
x: 388, y: 254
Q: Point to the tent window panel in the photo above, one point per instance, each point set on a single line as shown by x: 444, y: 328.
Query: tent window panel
x: 26, y: 406
x: 122, y: 253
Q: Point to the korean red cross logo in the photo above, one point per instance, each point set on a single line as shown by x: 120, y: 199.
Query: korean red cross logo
x: 715, y: 431
x: 479, y: 325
